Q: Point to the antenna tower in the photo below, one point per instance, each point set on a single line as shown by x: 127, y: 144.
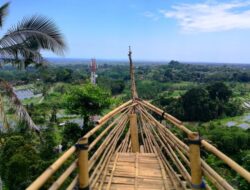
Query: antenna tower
x: 93, y: 68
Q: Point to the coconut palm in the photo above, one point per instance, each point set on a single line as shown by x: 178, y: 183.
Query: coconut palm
x: 22, y: 44
x: 24, y: 40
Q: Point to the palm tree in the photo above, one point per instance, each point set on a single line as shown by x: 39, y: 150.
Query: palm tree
x: 22, y: 45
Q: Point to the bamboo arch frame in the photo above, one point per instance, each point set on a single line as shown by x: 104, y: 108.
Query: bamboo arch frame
x: 157, y: 138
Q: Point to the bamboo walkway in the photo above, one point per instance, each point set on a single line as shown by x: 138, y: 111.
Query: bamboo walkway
x: 131, y: 149
x: 132, y: 171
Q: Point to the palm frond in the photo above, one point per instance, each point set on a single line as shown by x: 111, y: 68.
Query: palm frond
x: 21, y: 112
x: 26, y: 52
x: 39, y: 29
x: 3, y: 13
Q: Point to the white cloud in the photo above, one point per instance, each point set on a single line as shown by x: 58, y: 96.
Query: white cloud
x: 151, y: 15
x: 211, y: 16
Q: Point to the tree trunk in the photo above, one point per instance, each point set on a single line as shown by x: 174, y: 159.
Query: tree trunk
x: 85, y: 126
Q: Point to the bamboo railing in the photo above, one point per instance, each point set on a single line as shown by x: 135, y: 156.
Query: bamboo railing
x: 132, y: 128
x: 236, y: 167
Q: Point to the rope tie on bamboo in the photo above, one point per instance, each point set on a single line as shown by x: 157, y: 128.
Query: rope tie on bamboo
x: 82, y: 146
x: 200, y: 186
x: 198, y: 141
x: 162, y: 116
x: 85, y: 188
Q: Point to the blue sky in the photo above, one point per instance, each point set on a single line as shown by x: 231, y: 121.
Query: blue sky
x: 194, y: 30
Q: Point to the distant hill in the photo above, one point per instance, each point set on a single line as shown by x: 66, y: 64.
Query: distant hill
x: 76, y: 61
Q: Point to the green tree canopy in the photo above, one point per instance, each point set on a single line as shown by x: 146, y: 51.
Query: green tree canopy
x: 70, y: 134
x: 219, y: 90
x: 18, y: 160
x: 197, y: 105
x: 87, y: 100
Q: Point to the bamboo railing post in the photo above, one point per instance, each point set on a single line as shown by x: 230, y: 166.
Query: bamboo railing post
x: 83, y: 164
x: 195, y: 161
x: 134, y: 133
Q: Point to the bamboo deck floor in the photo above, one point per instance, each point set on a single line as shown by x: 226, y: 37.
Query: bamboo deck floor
x: 130, y: 171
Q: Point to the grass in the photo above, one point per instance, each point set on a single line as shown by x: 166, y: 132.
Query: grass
x: 24, y: 87
x: 33, y: 100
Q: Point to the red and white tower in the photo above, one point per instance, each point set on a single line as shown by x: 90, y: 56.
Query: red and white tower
x: 93, y: 68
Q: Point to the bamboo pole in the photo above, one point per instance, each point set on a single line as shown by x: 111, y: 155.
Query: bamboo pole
x: 212, y: 175
x: 105, y: 150
x: 166, y: 116
x: 73, y: 183
x: 106, y: 129
x: 195, y: 161
x: 57, y: 184
x: 51, y: 170
x: 175, y: 180
x: 104, y: 166
x: 232, y: 164
x: 107, y: 141
x: 132, y: 75
x: 134, y: 133
x: 111, y: 114
x: 56, y: 165
x: 83, y: 164
x: 215, y: 178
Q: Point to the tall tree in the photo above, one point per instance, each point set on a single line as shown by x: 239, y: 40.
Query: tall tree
x: 86, y: 101
x: 197, y: 105
x: 219, y: 91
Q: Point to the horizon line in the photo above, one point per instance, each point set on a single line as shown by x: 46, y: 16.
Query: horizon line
x: 146, y: 60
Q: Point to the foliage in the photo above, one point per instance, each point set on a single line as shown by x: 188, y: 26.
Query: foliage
x: 23, y: 154
x: 235, y: 139
x: 219, y: 91
x: 87, y: 100
x: 117, y: 87
x: 234, y: 142
x: 7, y: 91
x: 197, y: 105
x: 149, y: 89
x: 243, y: 184
x: 22, y: 43
x: 202, y: 104
x: 47, y: 149
x: 70, y: 134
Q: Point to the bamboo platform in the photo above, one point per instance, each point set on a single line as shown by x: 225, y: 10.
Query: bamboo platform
x: 130, y: 171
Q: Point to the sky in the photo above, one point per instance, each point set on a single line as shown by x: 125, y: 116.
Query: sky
x: 157, y: 30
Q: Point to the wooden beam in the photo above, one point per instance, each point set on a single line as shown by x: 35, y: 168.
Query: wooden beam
x: 134, y: 133
x: 51, y: 170
x: 195, y: 161
x: 132, y: 75
x: 83, y: 164
x: 232, y: 164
